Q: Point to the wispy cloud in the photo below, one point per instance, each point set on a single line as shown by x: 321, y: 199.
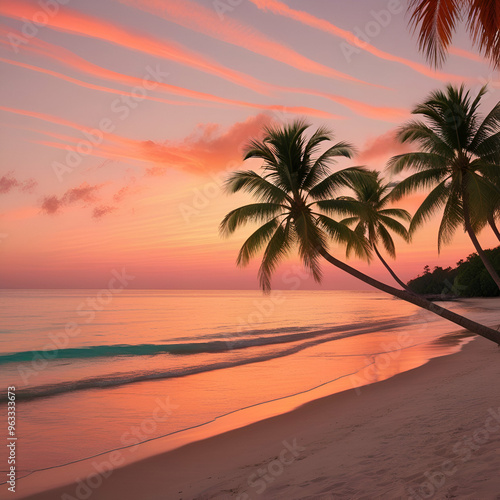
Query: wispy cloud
x: 82, y: 24
x: 382, y: 147
x: 208, y: 148
x: 279, y: 8
x: 83, y: 194
x: 466, y: 54
x: 87, y: 85
x: 88, y: 196
x: 10, y: 183
x: 71, y: 21
x: 71, y: 60
x: 384, y: 113
x: 102, y: 210
x: 196, y: 17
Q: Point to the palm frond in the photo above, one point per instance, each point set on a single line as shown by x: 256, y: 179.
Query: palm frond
x: 490, y: 171
x: 429, y: 139
x: 387, y: 241
x: 256, y: 241
x: 340, y: 233
x: 329, y: 186
x: 349, y: 220
x: 321, y: 135
x: 418, y: 161
x: 320, y: 167
x: 432, y: 203
x: 436, y: 21
x: 452, y: 218
x: 360, y: 231
x: 287, y: 146
x: 277, y: 248
x: 489, y: 148
x: 394, y: 226
x: 260, y: 151
x: 310, y: 240
x: 400, y: 213
x: 343, y: 206
x: 252, y: 183
x: 255, y: 212
x: 419, y: 181
x: 483, y: 196
x: 484, y: 26
x: 489, y: 126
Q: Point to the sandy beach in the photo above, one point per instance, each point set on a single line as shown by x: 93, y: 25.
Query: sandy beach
x: 432, y: 432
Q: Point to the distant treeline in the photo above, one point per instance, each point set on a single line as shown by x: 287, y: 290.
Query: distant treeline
x: 468, y: 279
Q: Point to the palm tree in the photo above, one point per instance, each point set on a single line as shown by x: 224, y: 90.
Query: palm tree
x: 293, y: 199
x: 492, y: 223
x: 494, y: 212
x: 459, y: 159
x: 375, y: 220
x: 438, y: 19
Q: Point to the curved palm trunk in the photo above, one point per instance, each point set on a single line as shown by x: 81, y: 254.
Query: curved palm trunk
x: 475, y: 241
x: 491, y: 222
x: 392, y: 273
x: 468, y: 324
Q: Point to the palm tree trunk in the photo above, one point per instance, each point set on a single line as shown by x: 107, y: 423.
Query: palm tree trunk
x: 491, y: 222
x: 475, y: 241
x: 392, y: 273
x: 468, y: 324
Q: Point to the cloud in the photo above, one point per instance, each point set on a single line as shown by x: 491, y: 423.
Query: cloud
x: 76, y: 62
x: 51, y: 204
x: 156, y: 171
x: 456, y: 51
x: 71, y: 21
x: 201, y: 19
x: 8, y: 183
x: 102, y: 210
x: 88, y: 195
x: 84, y: 193
x: 384, y: 113
x: 126, y: 191
x: 279, y: 8
x: 382, y: 147
x: 209, y: 148
x: 91, y: 86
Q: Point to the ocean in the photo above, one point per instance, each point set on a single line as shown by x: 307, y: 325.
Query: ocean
x: 95, y: 371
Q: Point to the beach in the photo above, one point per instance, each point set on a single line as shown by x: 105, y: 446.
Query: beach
x: 431, y: 432
x: 250, y: 250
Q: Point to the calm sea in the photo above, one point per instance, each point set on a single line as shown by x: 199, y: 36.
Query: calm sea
x: 95, y: 372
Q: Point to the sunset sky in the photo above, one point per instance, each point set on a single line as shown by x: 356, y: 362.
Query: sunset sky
x: 121, y: 118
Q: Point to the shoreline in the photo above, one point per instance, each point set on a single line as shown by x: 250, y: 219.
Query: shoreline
x: 214, y: 468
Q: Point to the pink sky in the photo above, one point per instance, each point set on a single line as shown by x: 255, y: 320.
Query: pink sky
x: 120, y: 119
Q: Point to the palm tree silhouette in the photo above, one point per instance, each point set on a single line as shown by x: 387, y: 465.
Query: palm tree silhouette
x: 494, y: 211
x: 492, y: 223
x: 293, y: 195
x: 459, y: 159
x: 436, y: 21
x: 375, y: 220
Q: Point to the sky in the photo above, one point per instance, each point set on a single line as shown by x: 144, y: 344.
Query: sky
x: 120, y: 120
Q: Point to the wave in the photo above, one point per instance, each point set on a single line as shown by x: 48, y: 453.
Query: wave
x: 116, y: 379
x: 215, y: 346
